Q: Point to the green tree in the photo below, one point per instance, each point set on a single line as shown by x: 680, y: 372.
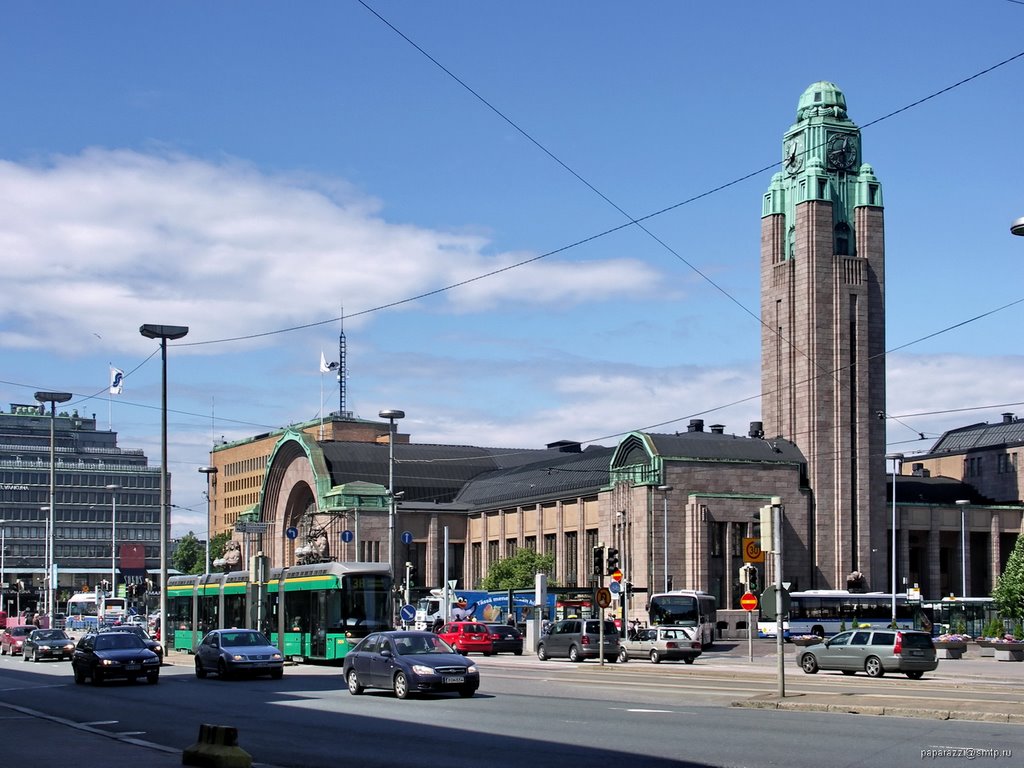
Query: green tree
x: 189, y: 555
x: 1009, y: 591
x: 518, y: 571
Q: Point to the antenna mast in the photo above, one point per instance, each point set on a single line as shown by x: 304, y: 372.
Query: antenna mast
x: 342, y: 366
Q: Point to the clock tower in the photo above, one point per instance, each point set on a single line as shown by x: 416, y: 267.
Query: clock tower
x: 823, y: 340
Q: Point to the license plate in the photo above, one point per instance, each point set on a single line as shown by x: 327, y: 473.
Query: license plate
x: 454, y: 679
x: 916, y: 653
x: 133, y: 667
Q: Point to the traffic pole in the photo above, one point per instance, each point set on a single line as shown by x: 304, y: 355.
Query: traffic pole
x: 750, y: 638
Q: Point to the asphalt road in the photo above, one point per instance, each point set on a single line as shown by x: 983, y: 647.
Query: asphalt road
x: 528, y: 714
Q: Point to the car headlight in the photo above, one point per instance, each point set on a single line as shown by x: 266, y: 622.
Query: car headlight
x: 276, y: 656
x: 471, y: 669
x: 238, y: 657
x: 423, y: 669
x: 108, y: 663
x: 158, y: 648
x: 69, y: 647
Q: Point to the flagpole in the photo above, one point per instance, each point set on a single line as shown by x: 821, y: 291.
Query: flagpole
x: 110, y: 418
x: 321, y: 395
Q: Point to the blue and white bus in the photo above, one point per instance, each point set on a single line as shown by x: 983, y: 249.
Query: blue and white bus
x: 824, y: 612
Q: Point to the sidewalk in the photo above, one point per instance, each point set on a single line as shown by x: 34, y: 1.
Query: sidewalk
x: 967, y: 674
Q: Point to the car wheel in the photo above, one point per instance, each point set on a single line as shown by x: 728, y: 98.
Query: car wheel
x: 401, y: 685
x: 153, y: 678
x: 276, y: 674
x: 353, y: 683
x: 467, y: 692
x: 623, y: 655
x: 849, y: 672
x: 487, y: 653
x: 818, y: 630
x: 200, y: 669
x: 873, y: 666
x: 574, y: 654
x: 655, y: 658
x: 24, y: 657
x: 808, y: 664
x: 915, y: 675
x: 222, y: 670
x: 97, y: 677
x: 542, y: 655
x: 79, y: 677
x: 518, y: 653
x: 688, y: 659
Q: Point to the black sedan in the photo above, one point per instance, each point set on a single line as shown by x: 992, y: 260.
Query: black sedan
x: 135, y: 629
x: 230, y: 652
x: 409, y: 662
x: 47, y: 644
x: 110, y: 655
x: 506, y: 639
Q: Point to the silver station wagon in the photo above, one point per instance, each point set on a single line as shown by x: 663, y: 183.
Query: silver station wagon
x: 873, y: 651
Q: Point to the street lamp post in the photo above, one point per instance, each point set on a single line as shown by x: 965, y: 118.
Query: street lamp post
x: 211, y: 479
x: 3, y: 560
x: 963, y: 504
x: 113, y: 537
x: 163, y: 332
x: 391, y: 414
x: 664, y: 526
x: 51, y: 553
x: 897, y: 463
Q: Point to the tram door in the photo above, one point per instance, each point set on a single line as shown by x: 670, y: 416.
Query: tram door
x: 318, y: 624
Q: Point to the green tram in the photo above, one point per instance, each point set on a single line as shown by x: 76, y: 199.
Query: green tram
x: 326, y: 607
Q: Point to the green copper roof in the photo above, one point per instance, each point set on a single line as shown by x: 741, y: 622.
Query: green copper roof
x: 821, y: 96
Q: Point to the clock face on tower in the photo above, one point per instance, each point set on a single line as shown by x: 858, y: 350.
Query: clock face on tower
x: 793, y: 154
x: 841, y: 151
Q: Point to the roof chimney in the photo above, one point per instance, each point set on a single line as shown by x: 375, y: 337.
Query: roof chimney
x: 756, y: 429
x: 696, y: 425
x: 1008, y: 418
x: 718, y: 429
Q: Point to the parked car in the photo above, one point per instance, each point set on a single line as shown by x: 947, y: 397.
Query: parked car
x: 873, y: 651
x: 154, y: 645
x: 505, y: 639
x: 14, y: 637
x: 579, y: 639
x: 108, y: 655
x: 47, y: 644
x: 408, y: 662
x: 467, y: 637
x: 230, y: 652
x: 661, y: 643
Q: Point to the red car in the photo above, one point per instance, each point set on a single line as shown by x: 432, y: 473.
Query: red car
x: 14, y: 638
x: 467, y: 637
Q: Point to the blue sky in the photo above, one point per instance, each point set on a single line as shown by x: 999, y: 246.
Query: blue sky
x: 241, y: 168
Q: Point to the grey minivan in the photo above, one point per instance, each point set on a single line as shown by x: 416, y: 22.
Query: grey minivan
x: 874, y: 651
x: 579, y: 639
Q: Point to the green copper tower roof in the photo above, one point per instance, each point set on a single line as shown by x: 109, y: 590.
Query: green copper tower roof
x: 820, y: 98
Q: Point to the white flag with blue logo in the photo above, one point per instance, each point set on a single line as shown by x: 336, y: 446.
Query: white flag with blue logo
x: 116, y: 381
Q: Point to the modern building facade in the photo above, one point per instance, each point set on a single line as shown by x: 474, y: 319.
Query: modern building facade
x: 87, y: 543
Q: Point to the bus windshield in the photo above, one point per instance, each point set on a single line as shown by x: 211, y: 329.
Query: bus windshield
x: 678, y: 610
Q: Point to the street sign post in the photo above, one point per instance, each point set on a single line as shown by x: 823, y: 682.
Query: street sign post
x: 749, y: 604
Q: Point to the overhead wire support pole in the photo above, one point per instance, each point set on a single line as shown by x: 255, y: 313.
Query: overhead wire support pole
x: 780, y: 649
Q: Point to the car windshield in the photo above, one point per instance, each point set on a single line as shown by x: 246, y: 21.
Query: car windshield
x: 233, y: 639
x: 49, y: 634
x: 408, y: 645
x: 117, y: 641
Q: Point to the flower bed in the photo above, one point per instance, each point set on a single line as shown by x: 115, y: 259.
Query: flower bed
x: 805, y: 640
x: 951, y: 646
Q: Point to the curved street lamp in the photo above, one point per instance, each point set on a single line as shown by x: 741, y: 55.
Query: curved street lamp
x: 163, y: 332
x: 51, y: 552
x: 391, y: 414
x: 897, y: 464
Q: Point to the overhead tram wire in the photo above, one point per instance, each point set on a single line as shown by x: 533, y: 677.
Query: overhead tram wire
x: 529, y: 137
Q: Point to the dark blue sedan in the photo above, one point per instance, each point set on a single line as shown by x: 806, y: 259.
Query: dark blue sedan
x: 111, y: 655
x: 409, y: 662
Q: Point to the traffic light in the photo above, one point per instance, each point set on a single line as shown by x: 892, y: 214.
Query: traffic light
x: 745, y: 575
x: 612, y: 560
x: 598, y: 568
x: 752, y: 580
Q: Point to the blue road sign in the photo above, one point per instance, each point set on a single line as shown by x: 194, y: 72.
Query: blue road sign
x: 346, y: 536
x: 292, y: 533
x: 406, y: 537
x: 614, y: 587
x: 407, y: 612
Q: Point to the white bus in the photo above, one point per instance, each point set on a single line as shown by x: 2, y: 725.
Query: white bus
x: 686, y: 608
x: 824, y: 612
x: 87, y: 611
